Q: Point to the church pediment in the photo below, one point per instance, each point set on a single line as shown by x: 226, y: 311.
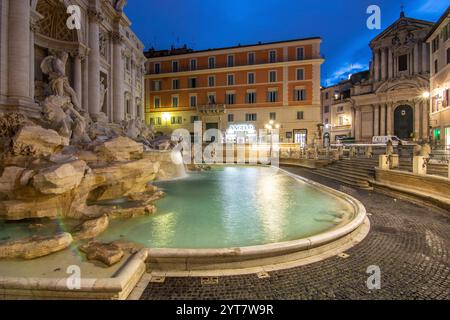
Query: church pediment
x: 404, y: 26
x: 414, y: 83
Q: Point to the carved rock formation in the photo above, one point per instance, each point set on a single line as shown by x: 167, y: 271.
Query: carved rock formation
x: 108, y: 253
x: 90, y: 228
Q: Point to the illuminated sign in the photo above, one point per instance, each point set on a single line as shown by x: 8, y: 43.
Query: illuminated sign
x: 244, y: 127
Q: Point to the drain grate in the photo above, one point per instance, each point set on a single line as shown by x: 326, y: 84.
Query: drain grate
x: 263, y: 275
x: 157, y: 279
x: 343, y: 255
x: 209, y: 280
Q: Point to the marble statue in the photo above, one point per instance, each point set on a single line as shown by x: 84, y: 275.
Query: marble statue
x: 55, y: 68
x: 103, y: 92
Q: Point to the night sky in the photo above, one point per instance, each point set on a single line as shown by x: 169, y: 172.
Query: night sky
x: 204, y: 24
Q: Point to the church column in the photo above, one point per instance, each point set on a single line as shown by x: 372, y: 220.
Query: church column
x: 382, y: 119
x: 376, y: 120
x: 389, y: 119
x: 95, y: 17
x: 416, y: 121
x: 118, y: 78
x: 390, y: 64
x: 19, y: 49
x: 383, y: 64
x: 416, y: 59
x: 425, y: 61
x: 77, y: 83
x: 358, y: 124
x: 376, y: 65
x: 425, y: 120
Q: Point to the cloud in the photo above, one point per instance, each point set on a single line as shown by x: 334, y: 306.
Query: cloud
x: 433, y: 6
x: 344, y: 72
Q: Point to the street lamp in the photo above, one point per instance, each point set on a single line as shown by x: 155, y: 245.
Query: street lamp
x: 426, y: 94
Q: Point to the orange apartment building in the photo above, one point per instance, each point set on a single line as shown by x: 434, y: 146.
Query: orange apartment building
x: 238, y: 90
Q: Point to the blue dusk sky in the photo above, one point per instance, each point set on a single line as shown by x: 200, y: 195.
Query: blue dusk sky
x: 204, y: 24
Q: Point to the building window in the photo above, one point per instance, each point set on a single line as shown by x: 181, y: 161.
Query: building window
x: 211, y: 62
x: 157, y: 68
x: 175, y: 84
x: 272, y: 96
x: 174, y: 66
x: 340, y: 109
x: 157, y: 102
x: 327, y: 95
x: 230, y: 79
x: 436, y: 66
x: 174, y: 101
x: 194, y: 119
x: 211, y: 81
x: 192, y: 82
x: 435, y: 44
x: 211, y: 99
x: 300, y: 115
x: 326, y: 109
x: 193, y: 64
x: 272, y: 76
x: 250, y: 117
x: 251, y: 58
x: 176, y: 120
x: 300, y: 53
x: 299, y: 94
x: 403, y: 62
x: 250, y: 97
x: 273, y: 116
x: 193, y: 101
x: 251, y: 78
x: 231, y: 118
x: 230, y: 98
x: 341, y: 121
x: 230, y: 61
x: 272, y: 56
x: 448, y: 54
x: 157, y: 85
x: 301, y: 75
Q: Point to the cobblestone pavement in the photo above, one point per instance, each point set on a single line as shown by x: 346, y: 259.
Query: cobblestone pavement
x: 411, y: 245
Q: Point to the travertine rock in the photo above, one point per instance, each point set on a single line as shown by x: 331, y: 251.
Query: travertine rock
x: 128, y: 246
x: 10, y: 179
x: 34, y: 247
x: 108, y: 253
x: 134, y: 212
x: 91, y: 228
x: 37, y: 141
x: 120, y: 149
x: 59, y: 179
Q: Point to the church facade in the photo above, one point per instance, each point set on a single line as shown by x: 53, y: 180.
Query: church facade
x: 105, y: 65
x: 393, y: 99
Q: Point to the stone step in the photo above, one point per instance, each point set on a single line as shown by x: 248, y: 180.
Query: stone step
x: 357, y: 183
x: 347, y: 174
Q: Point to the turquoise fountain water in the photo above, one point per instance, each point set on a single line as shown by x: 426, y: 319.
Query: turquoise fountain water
x: 233, y: 206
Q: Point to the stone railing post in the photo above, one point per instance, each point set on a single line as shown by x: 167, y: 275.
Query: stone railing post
x: 419, y: 165
x: 395, y: 161
x: 383, y: 162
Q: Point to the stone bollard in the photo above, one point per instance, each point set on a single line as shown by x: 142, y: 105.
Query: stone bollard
x: 395, y: 162
x: 383, y: 162
x: 419, y: 165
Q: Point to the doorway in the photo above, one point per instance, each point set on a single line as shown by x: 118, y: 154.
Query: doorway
x: 301, y: 137
x: 403, y: 122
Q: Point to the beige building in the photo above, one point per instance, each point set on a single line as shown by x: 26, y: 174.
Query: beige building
x: 439, y: 41
x: 105, y: 65
x: 238, y: 90
x: 391, y: 101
